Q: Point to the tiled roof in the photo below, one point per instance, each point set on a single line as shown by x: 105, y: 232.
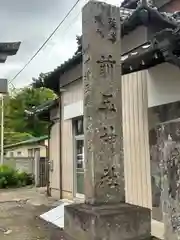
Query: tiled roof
x: 147, y: 15
x: 129, y: 3
x: 45, y: 106
x: 132, y: 4
x: 144, y: 14
x: 43, y: 111
x: 55, y: 74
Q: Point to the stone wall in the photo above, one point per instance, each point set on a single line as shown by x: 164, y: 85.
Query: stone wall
x: 164, y: 139
x: 169, y: 156
x: 22, y: 164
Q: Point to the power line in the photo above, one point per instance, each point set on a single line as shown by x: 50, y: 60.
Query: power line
x: 73, y: 21
x: 30, y: 60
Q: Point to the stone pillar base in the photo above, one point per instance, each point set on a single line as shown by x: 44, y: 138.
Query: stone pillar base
x: 107, y: 222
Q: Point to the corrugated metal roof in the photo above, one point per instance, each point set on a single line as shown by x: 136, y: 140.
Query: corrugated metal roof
x: 29, y: 141
x: 45, y: 106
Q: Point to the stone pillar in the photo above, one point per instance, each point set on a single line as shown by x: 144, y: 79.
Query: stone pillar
x: 104, y: 172
x: 104, y: 214
x: 169, y: 155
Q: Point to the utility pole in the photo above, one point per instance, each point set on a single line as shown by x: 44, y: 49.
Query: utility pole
x: 2, y: 129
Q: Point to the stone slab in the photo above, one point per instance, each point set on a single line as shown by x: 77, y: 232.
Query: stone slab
x: 168, y: 135
x: 107, y: 222
x: 103, y: 131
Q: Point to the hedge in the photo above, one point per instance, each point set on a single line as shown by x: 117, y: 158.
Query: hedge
x: 10, y: 177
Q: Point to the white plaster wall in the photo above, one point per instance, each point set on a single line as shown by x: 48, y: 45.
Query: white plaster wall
x: 24, y: 150
x: 73, y: 93
x: 163, y: 84
x: 136, y: 141
x: 73, y: 110
x: 46, y: 142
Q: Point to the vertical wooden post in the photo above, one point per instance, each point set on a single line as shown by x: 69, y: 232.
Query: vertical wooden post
x: 136, y: 139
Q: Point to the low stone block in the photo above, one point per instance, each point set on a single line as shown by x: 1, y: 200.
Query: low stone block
x: 108, y: 222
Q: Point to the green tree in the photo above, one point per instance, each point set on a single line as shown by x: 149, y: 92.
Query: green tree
x: 18, y: 126
x: 39, y: 82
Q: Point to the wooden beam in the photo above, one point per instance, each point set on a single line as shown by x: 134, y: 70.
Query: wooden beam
x: 164, y: 47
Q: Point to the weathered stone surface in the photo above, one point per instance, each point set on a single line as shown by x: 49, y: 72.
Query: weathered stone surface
x: 107, y: 222
x: 169, y: 155
x: 104, y: 168
x: 158, y: 114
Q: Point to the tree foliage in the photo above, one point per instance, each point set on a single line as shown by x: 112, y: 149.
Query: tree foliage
x: 79, y: 44
x: 17, y: 126
x: 39, y: 82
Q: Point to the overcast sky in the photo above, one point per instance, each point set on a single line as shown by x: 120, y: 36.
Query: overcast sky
x: 31, y: 22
